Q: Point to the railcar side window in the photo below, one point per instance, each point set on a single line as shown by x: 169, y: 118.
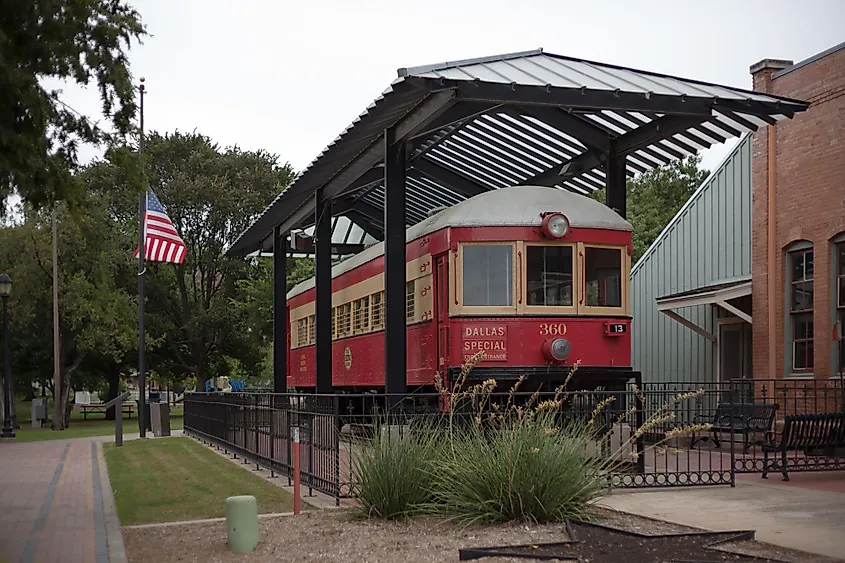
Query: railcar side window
x: 603, y: 277
x: 359, y: 309
x: 347, y: 318
x: 377, y: 309
x: 302, y: 332
x: 409, y: 301
x: 549, y: 275
x: 488, y: 275
x: 312, y: 329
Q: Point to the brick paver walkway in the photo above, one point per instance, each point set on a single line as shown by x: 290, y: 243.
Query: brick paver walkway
x: 51, y: 505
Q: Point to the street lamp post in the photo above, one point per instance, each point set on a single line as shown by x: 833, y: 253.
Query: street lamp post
x: 8, y: 429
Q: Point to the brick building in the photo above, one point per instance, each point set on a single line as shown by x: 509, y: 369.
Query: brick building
x: 701, y: 299
x: 798, y: 222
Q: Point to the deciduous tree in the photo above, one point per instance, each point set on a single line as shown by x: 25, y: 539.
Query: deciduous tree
x: 44, y: 41
x: 95, y: 310
x: 656, y: 196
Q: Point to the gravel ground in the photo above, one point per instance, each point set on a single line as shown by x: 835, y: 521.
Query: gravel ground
x: 330, y: 537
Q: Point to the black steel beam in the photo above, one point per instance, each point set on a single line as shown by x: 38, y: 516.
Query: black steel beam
x: 616, y: 183
x: 417, y: 119
x: 456, y: 115
x: 363, y: 221
x: 650, y: 133
x: 341, y: 249
x: 323, y: 298
x: 371, y: 177
x: 590, y: 135
x: 562, y: 172
x: 578, y: 98
x: 737, y: 119
x: 280, y: 325
x: 636, y: 139
x: 420, y: 146
x: 395, y: 344
x: 760, y: 110
x: 371, y: 213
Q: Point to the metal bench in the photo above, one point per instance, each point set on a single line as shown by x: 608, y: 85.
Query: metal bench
x: 812, y: 434
x: 740, y: 418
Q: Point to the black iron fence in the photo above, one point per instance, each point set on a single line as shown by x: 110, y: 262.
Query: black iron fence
x: 799, y: 425
x: 658, y: 435
x: 259, y: 427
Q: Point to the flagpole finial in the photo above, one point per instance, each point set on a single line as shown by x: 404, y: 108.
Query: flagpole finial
x: 142, y: 79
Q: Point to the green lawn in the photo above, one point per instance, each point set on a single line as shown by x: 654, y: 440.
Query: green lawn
x: 96, y: 425
x: 171, y: 479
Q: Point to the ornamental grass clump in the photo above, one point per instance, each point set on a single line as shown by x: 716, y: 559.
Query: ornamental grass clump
x: 526, y: 468
x: 487, y: 461
x: 392, y: 472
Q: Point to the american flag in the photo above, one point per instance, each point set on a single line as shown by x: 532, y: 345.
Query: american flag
x: 163, y: 243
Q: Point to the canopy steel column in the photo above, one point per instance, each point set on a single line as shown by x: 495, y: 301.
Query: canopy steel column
x: 395, y: 344
x: 323, y: 314
x: 280, y: 321
x: 616, y: 181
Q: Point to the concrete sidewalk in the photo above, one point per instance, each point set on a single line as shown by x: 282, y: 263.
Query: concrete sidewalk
x: 793, y: 517
x: 56, y: 504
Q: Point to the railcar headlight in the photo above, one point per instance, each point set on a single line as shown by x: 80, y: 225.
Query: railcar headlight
x: 555, y: 225
x: 557, y: 349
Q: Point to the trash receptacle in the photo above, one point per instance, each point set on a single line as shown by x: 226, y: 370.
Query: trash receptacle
x: 160, y: 419
x: 154, y: 397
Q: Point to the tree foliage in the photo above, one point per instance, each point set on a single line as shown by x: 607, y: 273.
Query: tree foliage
x: 83, y: 41
x: 212, y: 195
x: 656, y: 196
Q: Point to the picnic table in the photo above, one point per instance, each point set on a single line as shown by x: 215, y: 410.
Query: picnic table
x: 101, y: 408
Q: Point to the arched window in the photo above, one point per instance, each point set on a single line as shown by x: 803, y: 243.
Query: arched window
x: 838, y: 269
x: 799, y: 325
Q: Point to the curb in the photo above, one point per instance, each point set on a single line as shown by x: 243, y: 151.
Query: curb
x: 114, y: 538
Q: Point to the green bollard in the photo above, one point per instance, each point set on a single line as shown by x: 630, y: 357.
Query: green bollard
x: 242, y: 523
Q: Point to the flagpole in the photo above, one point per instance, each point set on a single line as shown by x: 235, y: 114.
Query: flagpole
x: 142, y: 211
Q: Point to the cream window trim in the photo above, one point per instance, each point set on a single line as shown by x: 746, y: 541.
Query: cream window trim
x: 625, y: 281
x: 522, y: 300
x: 457, y: 283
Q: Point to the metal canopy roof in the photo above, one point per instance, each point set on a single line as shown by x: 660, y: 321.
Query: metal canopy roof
x: 521, y: 118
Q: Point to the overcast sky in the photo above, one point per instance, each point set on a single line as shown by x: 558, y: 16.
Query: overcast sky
x: 289, y: 76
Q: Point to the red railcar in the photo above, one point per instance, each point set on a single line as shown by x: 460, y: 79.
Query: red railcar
x: 535, y: 277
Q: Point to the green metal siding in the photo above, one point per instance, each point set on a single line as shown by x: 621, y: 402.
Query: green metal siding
x: 708, y: 241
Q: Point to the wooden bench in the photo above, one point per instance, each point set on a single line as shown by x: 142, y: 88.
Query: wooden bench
x: 812, y: 434
x: 741, y: 418
x: 101, y: 408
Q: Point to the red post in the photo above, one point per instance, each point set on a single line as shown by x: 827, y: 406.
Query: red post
x: 296, y: 498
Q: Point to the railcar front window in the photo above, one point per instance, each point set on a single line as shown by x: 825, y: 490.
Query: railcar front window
x: 549, y: 275
x: 603, y: 277
x: 488, y: 275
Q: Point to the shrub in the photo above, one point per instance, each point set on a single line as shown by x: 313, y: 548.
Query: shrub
x: 391, y: 472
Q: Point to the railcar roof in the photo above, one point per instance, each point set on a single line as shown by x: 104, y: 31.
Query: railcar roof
x: 516, y: 206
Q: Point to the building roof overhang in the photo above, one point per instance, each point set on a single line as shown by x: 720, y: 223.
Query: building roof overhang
x: 718, y: 294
